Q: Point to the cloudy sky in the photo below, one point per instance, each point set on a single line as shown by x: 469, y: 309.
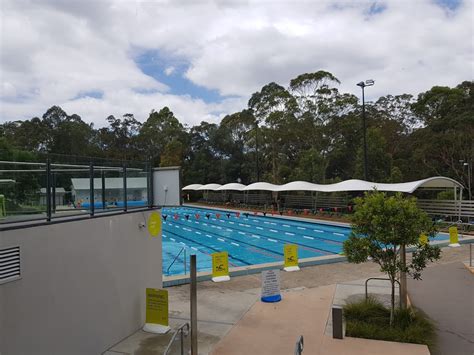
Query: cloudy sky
x: 204, y: 59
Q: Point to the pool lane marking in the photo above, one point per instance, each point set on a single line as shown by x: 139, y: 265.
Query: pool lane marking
x: 340, y: 234
x: 305, y: 236
x: 197, y: 232
x: 304, y: 246
x: 325, y: 240
x: 286, y: 225
x: 272, y: 240
x: 235, y: 244
x: 273, y: 230
x: 212, y: 248
x: 302, y: 228
x: 195, y: 248
x: 288, y: 233
x: 246, y: 243
x: 222, y: 240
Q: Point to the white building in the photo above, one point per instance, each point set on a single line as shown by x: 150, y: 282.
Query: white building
x: 136, y: 189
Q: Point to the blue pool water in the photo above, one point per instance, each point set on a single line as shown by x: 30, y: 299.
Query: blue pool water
x: 249, y: 240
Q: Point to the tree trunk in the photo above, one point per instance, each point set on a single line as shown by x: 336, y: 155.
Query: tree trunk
x: 403, y: 278
x: 392, y: 304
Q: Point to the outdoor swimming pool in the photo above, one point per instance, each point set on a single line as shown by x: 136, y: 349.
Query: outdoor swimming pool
x: 248, y: 239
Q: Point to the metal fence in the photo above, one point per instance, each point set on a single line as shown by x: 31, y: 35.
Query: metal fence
x: 49, y: 188
x: 459, y: 210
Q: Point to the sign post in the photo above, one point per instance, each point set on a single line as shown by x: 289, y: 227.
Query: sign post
x: 220, y: 267
x: 156, y: 311
x: 154, y: 224
x: 453, y: 237
x: 290, y: 252
x: 271, y: 286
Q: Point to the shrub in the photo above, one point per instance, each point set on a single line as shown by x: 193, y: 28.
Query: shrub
x: 370, y: 319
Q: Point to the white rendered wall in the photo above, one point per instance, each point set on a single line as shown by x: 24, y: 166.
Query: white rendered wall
x: 82, y: 287
x: 167, y: 186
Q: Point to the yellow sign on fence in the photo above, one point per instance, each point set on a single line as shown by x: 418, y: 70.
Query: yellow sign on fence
x: 154, y: 224
x: 290, y: 252
x: 453, y: 235
x: 157, y: 306
x: 423, y: 239
x: 220, y: 265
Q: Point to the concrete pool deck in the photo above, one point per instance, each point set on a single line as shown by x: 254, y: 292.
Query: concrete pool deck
x: 222, y: 305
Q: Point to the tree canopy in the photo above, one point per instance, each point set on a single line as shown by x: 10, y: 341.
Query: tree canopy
x: 308, y: 130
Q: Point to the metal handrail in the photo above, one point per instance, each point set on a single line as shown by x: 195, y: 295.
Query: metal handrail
x: 384, y: 279
x: 299, y: 346
x: 175, y: 258
x: 183, y: 332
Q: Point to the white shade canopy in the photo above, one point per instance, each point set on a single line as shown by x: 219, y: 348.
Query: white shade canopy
x: 347, y: 185
x: 261, y: 186
x: 232, y: 186
x: 192, y: 187
x: 211, y: 187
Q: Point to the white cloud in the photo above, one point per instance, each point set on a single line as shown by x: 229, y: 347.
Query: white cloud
x: 169, y: 70
x: 52, y: 51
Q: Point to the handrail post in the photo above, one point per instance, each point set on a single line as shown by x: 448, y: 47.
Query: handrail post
x: 184, y: 262
x: 470, y: 254
x: 193, y: 293
x: 103, y: 188
x: 48, y: 190
x: 91, y: 189
x: 125, y: 187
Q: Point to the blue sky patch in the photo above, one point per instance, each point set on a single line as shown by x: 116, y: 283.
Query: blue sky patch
x: 170, y: 71
x: 94, y: 94
x: 449, y: 4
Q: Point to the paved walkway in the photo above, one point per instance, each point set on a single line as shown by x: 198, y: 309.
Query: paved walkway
x: 446, y: 294
x: 273, y: 329
x: 222, y: 305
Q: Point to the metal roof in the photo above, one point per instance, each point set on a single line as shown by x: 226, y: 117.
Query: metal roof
x: 110, y: 183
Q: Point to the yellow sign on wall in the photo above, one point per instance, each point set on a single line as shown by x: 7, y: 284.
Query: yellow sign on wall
x: 220, y: 264
x: 157, y: 306
x: 290, y: 252
x: 453, y: 235
x: 154, y: 224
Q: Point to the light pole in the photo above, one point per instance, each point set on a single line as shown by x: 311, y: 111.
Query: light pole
x: 469, y: 167
x: 363, y: 84
x: 256, y: 150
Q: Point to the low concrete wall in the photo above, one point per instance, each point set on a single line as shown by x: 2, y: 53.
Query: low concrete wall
x: 82, y: 287
x: 167, y: 186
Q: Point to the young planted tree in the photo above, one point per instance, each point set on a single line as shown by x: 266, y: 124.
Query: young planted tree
x: 381, y: 228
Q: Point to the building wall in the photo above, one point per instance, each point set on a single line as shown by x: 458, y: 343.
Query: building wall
x: 82, y: 287
x: 167, y: 186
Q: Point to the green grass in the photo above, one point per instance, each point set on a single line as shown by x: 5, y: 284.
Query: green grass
x: 371, y: 319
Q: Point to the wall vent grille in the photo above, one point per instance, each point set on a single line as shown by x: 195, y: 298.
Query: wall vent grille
x: 9, y: 264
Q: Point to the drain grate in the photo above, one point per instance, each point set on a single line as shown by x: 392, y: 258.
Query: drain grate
x: 9, y: 264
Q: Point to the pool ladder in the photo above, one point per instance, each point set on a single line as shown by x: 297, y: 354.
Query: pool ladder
x: 183, y: 249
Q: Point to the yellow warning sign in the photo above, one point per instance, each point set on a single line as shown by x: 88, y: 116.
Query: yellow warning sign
x: 453, y: 235
x: 154, y: 224
x: 291, y: 255
x: 423, y: 239
x: 220, y: 264
x: 157, y: 306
